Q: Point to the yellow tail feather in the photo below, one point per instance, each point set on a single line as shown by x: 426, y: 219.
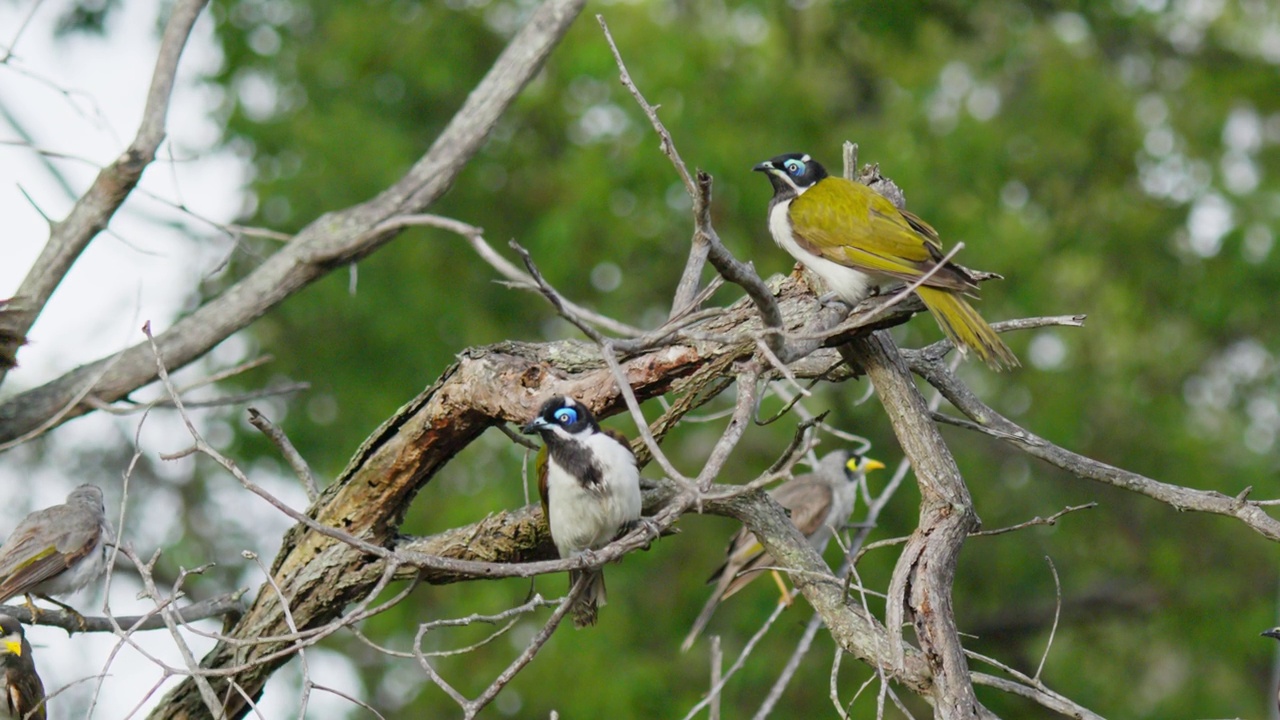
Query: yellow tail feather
x: 966, y: 328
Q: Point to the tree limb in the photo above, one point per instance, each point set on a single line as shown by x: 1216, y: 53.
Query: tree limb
x: 996, y: 425
x: 925, y: 572
x: 94, y: 210
x: 333, y: 240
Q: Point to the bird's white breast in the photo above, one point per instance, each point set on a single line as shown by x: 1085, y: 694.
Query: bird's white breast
x: 588, y: 517
x: 850, y: 285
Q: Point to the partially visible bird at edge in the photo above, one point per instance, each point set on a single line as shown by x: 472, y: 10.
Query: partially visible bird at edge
x: 23, y: 691
x: 57, y: 550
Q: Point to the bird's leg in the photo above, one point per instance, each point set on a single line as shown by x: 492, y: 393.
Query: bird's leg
x: 31, y: 607
x: 80, y: 619
x: 782, y: 586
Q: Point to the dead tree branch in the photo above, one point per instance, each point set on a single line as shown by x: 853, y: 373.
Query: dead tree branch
x: 93, y: 211
x: 332, y: 241
x: 926, y: 569
x: 989, y: 421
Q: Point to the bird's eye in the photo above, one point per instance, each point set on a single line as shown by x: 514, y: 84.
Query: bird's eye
x: 795, y: 167
x: 566, y: 416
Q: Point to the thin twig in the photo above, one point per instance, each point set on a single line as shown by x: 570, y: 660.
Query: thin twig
x: 705, y: 238
x: 1051, y: 520
x: 717, y: 667
x: 291, y: 455
x: 1057, y: 614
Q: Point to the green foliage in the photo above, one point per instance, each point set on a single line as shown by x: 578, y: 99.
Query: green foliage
x: 1105, y: 158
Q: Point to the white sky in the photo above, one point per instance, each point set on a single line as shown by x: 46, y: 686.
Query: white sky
x: 82, y: 97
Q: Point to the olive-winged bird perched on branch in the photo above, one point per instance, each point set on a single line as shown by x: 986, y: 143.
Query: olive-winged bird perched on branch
x: 590, y: 489
x: 57, y: 550
x: 23, y: 691
x: 820, y: 503
x: 854, y: 238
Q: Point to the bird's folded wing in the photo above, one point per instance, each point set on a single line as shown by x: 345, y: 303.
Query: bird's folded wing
x: 808, y: 501
x: 81, y: 533
x: 41, y: 565
x: 877, y: 238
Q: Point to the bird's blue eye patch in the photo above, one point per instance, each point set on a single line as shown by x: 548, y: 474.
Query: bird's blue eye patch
x: 566, y: 416
x: 794, y: 167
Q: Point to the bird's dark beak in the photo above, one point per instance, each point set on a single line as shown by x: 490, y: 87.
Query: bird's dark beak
x: 534, y: 426
x: 765, y: 166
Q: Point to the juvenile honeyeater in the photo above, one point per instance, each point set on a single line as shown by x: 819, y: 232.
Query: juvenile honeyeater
x: 854, y: 239
x: 820, y: 503
x: 57, y: 550
x: 590, y: 489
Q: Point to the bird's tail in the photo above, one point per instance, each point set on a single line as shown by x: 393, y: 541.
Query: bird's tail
x: 591, y: 598
x: 966, y: 328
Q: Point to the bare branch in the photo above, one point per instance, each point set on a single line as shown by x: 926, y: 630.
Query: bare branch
x: 926, y: 568
x: 706, y: 243
x: 290, y: 453
x: 332, y: 241
x: 1057, y: 614
x: 475, y: 237
x: 1001, y: 428
x: 94, y: 210
x: 1051, y: 520
x: 228, y: 605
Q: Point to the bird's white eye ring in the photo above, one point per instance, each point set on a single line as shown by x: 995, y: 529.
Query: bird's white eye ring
x: 795, y: 167
x: 566, y: 416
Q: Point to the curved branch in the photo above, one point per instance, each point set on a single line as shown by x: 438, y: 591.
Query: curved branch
x: 331, y: 241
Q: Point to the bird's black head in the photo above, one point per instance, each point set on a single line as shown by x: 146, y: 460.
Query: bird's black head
x: 793, y: 173
x: 857, y: 466
x: 564, y: 415
x: 1272, y: 633
x: 11, y: 636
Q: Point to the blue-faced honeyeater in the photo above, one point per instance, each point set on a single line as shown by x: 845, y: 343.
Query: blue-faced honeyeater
x: 854, y: 238
x: 590, y: 489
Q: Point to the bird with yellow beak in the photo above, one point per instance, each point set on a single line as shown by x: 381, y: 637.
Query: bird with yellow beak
x: 854, y: 239
x: 820, y: 504
x: 23, y: 691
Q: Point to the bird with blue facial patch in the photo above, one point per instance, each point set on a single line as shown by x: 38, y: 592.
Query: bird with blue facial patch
x: 590, y: 489
x: 855, y: 239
